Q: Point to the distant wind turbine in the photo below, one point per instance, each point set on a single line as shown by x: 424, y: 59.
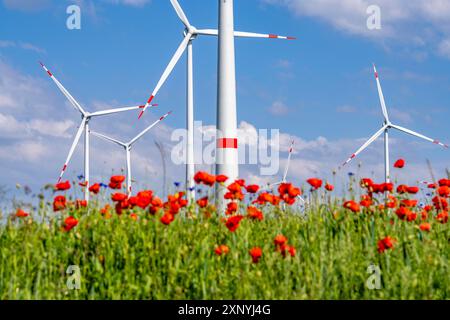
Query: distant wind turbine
x: 388, y: 125
x: 84, y: 127
x: 129, y: 145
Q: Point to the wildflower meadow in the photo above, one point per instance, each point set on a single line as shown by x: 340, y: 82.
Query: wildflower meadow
x: 377, y: 241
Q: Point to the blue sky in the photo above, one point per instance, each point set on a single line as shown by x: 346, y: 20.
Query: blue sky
x: 319, y: 89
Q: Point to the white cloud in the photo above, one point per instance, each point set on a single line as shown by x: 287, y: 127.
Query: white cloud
x: 414, y: 24
x: 278, y: 108
x: 134, y: 3
x: 402, y: 116
x: 26, y: 5
x: 346, y: 109
x: 444, y: 48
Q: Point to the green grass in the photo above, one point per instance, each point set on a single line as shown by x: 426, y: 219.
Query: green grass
x: 121, y: 258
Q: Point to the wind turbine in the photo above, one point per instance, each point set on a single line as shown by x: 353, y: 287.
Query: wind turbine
x: 128, y: 146
x: 388, y: 125
x: 190, y: 34
x: 84, y: 127
x: 286, y: 170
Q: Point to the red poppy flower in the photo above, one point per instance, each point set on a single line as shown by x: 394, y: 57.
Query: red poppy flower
x: 442, y: 217
x: 81, y: 204
x: 431, y: 186
x: 444, y: 191
x: 115, y: 186
x: 106, y: 211
x: 366, y: 201
x: 403, y: 212
x: 95, y: 188
x: 221, y: 178
x: 400, y: 163
x: 235, y: 187
x: 256, y: 254
x: 413, y: 190
x: 117, y: 179
x: 315, y: 183
x: 253, y: 188
x: 232, y: 207
x: 232, y: 223
x: 329, y: 187
x: 280, y: 240
x: 409, y: 203
x: 424, y: 215
x: 352, y: 205
x: 264, y: 198
x: 444, y: 182
x: 167, y: 218
x: 292, y: 251
x: 205, y: 178
x: 62, y: 186
x: 392, y: 203
x: 385, y: 244
x: 59, y: 203
x: 21, y: 214
x: 221, y: 250
x: 118, y: 197
x: 240, y: 182
x: 203, y: 202
x: 70, y: 223
x: 412, y: 216
x: 389, y: 187
x: 428, y: 208
x: 254, y: 213
x: 366, y: 183
x: 157, y: 202
x: 440, y: 203
x: 403, y: 188
x: 134, y: 216
x: 83, y: 184
x: 425, y: 226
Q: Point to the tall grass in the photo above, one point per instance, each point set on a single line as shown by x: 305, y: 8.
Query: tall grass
x: 121, y: 258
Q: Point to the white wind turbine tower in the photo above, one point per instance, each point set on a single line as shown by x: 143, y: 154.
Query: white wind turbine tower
x: 84, y: 127
x: 191, y: 33
x: 129, y: 145
x: 388, y: 125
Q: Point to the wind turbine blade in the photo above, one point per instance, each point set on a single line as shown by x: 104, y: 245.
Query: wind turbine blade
x: 180, y: 13
x: 72, y: 148
x: 288, y: 161
x: 380, y: 94
x: 168, y: 70
x: 63, y: 90
x: 149, y: 127
x: 418, y: 135
x: 365, y: 145
x: 118, y: 110
x: 99, y: 135
x: 242, y: 34
x: 208, y: 32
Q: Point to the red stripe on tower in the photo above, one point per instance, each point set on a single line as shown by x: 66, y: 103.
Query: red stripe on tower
x: 150, y: 99
x: 273, y: 36
x: 227, y: 143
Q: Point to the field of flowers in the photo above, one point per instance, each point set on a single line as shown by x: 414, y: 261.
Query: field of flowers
x: 382, y: 241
